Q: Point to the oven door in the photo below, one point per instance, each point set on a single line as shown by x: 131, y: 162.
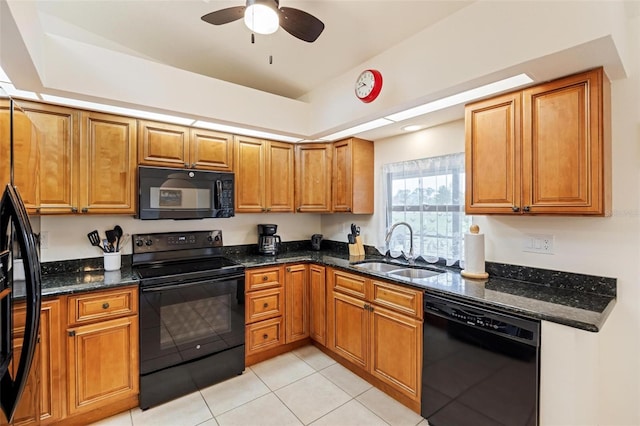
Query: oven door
x: 186, y: 321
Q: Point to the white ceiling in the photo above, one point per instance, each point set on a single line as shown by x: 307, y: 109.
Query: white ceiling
x: 465, y: 40
x: 172, y: 33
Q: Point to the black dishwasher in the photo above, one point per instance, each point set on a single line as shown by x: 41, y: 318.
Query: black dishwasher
x: 480, y: 367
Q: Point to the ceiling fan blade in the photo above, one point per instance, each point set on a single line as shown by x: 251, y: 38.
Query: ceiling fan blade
x: 224, y: 16
x: 300, y: 24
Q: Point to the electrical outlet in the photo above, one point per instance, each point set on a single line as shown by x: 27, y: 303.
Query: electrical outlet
x: 538, y: 243
x: 44, y: 239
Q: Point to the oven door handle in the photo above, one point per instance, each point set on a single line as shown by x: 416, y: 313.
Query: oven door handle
x: 163, y: 287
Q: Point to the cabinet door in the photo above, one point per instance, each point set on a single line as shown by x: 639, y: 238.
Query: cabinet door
x: 279, y: 174
x: 492, y: 155
x: 313, y: 178
x: 250, y: 175
x: 59, y: 130
x: 102, y: 363
x: 297, y: 303
x: 26, y: 158
x: 45, y: 381
x: 353, y: 174
x: 162, y: 144
x: 211, y: 150
x: 564, y: 147
x: 399, y: 363
x: 348, y: 329
x: 318, y: 304
x: 107, y: 164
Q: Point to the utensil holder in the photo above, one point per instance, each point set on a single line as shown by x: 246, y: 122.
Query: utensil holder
x: 112, y: 261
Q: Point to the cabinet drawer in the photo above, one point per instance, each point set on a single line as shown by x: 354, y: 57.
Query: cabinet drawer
x: 264, y: 335
x: 350, y: 284
x: 264, y: 304
x: 103, y: 305
x: 398, y: 298
x: 258, y: 279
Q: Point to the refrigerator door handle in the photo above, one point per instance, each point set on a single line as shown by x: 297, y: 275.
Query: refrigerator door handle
x: 13, y: 211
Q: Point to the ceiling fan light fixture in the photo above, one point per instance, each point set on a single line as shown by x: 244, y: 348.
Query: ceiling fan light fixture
x: 261, y: 16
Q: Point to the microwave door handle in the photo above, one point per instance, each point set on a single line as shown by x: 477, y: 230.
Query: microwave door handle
x: 13, y: 210
x: 218, y: 204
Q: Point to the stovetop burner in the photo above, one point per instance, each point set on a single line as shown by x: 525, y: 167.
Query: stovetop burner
x: 171, y: 257
x: 216, y: 265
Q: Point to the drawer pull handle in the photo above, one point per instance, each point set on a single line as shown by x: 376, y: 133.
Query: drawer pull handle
x: 265, y: 336
x: 105, y: 305
x: 266, y: 305
x: 265, y: 278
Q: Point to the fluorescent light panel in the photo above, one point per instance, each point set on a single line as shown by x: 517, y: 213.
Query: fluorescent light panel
x: 245, y: 132
x: 462, y: 97
x: 359, y: 128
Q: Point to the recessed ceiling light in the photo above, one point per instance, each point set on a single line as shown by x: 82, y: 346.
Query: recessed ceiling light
x: 411, y: 128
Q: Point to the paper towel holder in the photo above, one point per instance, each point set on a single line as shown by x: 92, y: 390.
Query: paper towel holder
x: 475, y: 230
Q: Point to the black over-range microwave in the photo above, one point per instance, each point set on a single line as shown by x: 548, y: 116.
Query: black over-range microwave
x: 166, y: 193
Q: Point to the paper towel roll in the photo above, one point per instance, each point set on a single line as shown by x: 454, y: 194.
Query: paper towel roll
x: 474, y: 254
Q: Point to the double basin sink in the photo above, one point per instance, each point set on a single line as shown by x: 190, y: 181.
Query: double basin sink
x: 397, y: 271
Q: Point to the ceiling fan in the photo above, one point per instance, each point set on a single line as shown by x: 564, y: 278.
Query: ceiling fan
x: 265, y: 16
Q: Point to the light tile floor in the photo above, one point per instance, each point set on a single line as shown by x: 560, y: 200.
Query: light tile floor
x: 303, y: 387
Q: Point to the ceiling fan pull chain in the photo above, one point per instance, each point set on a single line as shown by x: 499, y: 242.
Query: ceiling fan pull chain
x: 253, y: 38
x: 270, y: 59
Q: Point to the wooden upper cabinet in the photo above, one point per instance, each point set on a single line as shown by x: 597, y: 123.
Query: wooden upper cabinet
x: 172, y: 145
x: 209, y: 150
x: 279, y: 172
x: 492, y: 154
x: 264, y: 175
x: 543, y: 150
x: 352, y: 183
x: 313, y: 177
x: 58, y: 129
x: 566, y: 146
x: 162, y: 144
x: 250, y: 180
x: 107, y: 164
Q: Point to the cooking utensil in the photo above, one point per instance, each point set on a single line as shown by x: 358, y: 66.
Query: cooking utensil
x: 351, y: 238
x: 106, y: 246
x: 111, y: 237
x: 119, y: 232
x: 94, y: 239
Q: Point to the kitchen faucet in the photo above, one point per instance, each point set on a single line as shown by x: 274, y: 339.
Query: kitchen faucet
x: 387, y: 239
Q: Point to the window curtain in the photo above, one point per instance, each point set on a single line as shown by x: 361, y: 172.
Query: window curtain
x: 428, y: 194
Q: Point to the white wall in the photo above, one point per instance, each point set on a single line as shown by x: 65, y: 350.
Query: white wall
x: 67, y: 235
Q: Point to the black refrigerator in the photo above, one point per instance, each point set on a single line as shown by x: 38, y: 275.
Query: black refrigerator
x: 20, y: 282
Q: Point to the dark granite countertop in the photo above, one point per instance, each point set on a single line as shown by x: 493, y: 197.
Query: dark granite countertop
x: 575, y: 300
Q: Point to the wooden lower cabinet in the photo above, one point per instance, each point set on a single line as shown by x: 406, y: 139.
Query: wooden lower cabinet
x: 42, y: 399
x: 296, y: 287
x: 317, y: 304
x: 102, y: 351
x: 381, y: 333
x: 102, y: 361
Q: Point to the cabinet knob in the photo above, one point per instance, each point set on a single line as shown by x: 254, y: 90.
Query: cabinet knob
x: 186, y: 165
x: 193, y: 165
x: 265, y: 278
x: 37, y: 209
x: 265, y: 336
x: 266, y: 305
x: 298, y: 209
x: 268, y: 209
x: 74, y: 210
x: 526, y: 209
x: 85, y: 209
x: 105, y: 305
x: 72, y: 333
x: 515, y: 209
x: 288, y: 269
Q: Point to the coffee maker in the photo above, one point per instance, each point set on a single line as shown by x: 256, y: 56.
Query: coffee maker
x: 268, y: 241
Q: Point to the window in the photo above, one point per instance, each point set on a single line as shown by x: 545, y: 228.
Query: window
x: 428, y: 194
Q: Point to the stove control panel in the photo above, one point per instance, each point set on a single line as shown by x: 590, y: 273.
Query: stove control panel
x: 171, y: 241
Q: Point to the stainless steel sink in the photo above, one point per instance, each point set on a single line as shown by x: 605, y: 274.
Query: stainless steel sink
x: 414, y: 273
x: 377, y: 266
